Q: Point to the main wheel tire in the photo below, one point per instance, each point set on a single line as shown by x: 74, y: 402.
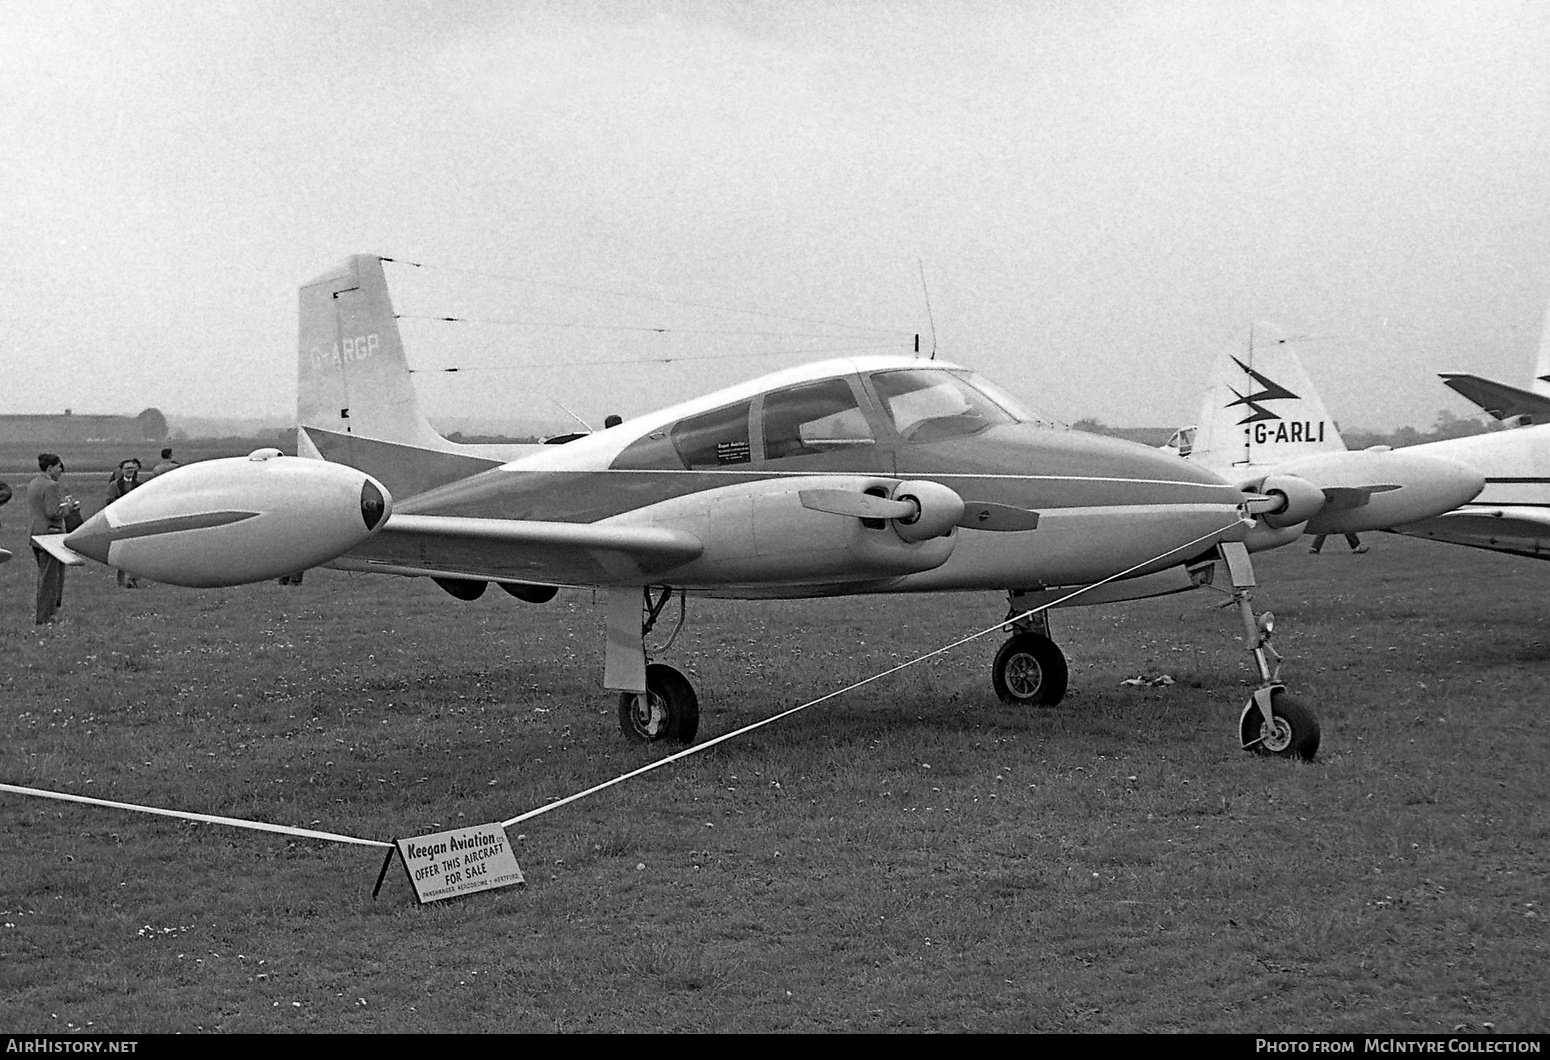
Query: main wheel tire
x: 1030, y: 671
x: 667, y: 711
x: 1292, y: 733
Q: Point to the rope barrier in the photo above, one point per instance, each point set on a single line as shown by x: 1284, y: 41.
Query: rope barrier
x: 235, y: 822
x: 708, y: 744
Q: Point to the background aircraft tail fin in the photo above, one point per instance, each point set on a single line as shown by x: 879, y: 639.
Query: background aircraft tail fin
x: 1261, y: 407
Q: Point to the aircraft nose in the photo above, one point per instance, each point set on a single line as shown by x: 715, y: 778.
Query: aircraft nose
x: 92, y: 538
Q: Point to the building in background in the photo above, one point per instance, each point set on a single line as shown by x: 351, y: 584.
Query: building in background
x: 52, y: 428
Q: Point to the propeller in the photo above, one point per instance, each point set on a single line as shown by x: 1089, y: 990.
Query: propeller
x: 977, y: 515
x: 1339, y: 498
x: 860, y: 505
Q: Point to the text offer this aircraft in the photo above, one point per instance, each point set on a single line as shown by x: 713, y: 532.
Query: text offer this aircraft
x: 886, y: 474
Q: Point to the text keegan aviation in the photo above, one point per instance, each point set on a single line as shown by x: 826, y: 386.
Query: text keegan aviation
x: 357, y: 349
x: 435, y: 849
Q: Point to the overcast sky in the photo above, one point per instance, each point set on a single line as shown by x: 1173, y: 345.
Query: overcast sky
x: 1100, y: 195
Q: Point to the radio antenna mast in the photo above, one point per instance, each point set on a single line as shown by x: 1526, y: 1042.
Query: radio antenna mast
x: 929, y: 318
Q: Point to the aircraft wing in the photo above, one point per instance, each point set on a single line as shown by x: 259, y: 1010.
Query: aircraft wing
x: 523, y: 550
x: 1500, y: 400
x: 1521, y: 530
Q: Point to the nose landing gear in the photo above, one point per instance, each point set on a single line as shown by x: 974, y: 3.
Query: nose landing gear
x: 1030, y: 669
x: 1274, y: 722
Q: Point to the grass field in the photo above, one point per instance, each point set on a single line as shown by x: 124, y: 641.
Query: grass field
x: 911, y: 856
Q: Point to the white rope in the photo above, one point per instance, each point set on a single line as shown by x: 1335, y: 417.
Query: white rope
x: 235, y: 822
x: 697, y: 748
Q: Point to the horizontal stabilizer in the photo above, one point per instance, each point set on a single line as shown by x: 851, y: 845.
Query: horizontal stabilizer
x: 1500, y: 400
x: 5, y: 555
x: 54, y: 545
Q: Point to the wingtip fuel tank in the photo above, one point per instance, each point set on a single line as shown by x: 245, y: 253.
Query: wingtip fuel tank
x: 236, y: 520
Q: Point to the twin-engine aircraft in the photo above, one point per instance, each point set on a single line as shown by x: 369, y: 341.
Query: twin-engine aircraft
x: 1264, y: 427
x: 866, y: 475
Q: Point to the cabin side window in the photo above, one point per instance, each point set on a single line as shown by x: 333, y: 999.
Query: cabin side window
x: 812, y: 418
x: 714, y: 439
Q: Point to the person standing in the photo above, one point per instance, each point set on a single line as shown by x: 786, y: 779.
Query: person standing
x: 126, y: 478
x: 165, y: 464
x: 47, y: 504
x: 1350, y: 539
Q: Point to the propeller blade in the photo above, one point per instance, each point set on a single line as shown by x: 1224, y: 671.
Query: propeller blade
x: 860, y: 505
x: 1339, y: 498
x: 987, y: 515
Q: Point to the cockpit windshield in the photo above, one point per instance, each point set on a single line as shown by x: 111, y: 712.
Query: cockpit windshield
x: 927, y: 404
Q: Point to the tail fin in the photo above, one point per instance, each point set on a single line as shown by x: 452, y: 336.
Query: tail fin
x: 355, y: 399
x: 353, y: 378
x: 1261, y: 407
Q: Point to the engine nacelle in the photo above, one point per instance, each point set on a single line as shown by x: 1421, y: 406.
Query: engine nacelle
x: 236, y: 520
x: 1301, y: 500
x: 937, y: 510
x: 760, y: 533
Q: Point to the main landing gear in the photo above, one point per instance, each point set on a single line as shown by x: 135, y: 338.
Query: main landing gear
x: 668, y: 710
x: 1030, y: 669
x: 1273, y: 722
x: 657, y: 703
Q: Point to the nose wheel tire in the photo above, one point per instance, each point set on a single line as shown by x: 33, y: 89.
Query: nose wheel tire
x: 668, y: 711
x: 1030, y: 670
x: 1293, y: 731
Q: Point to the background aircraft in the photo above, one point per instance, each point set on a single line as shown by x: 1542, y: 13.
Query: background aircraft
x: 1510, y: 404
x: 1512, y: 513
x: 1264, y: 427
x: 866, y: 475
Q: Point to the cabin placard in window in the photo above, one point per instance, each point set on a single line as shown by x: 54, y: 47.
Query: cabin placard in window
x: 714, y: 439
x: 732, y: 452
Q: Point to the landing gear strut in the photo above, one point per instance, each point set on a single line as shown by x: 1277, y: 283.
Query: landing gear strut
x: 1273, y: 722
x: 656, y: 702
x: 1030, y: 669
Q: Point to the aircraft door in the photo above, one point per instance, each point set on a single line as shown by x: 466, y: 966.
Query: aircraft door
x: 820, y: 426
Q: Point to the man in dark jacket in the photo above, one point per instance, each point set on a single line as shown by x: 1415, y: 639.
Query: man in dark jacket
x: 47, y: 505
x: 126, y: 478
